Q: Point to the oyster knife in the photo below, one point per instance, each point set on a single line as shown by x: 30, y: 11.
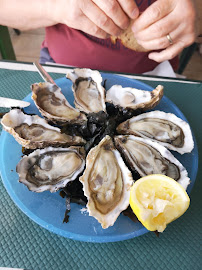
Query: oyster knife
x: 43, y: 73
x: 9, y: 103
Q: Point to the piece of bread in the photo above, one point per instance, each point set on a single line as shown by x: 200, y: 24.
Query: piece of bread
x: 128, y: 40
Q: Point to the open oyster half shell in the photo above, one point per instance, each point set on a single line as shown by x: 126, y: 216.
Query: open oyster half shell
x: 106, y: 183
x: 89, y: 94
x: 50, y: 168
x: 53, y: 105
x: 165, y: 128
x: 149, y: 157
x: 127, y: 97
x: 32, y: 131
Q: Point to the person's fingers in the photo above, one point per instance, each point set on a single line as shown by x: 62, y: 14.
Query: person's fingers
x: 87, y: 26
x: 99, y: 18
x: 168, y: 53
x: 155, y: 44
x: 130, y: 8
x: 114, y: 11
x: 163, y: 42
x: 151, y: 15
x: 158, y: 29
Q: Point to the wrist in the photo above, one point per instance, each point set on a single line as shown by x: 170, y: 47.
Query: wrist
x: 55, y: 10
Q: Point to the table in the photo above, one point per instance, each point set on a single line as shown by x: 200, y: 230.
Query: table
x: 25, y: 244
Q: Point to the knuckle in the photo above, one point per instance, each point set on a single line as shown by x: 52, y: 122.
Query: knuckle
x: 112, y: 6
x: 155, y: 13
x: 95, y: 30
x: 158, y: 29
x: 83, y: 5
x: 124, y: 23
x: 163, y: 43
x: 103, y: 21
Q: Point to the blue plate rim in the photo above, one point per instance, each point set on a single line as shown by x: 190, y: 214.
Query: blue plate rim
x: 71, y: 235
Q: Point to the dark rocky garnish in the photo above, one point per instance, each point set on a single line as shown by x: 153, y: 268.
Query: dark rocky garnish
x: 121, y: 114
x: 27, y: 151
x: 129, y: 213
x: 73, y: 193
x: 68, y: 208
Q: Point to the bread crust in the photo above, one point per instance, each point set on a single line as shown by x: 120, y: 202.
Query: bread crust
x: 127, y: 38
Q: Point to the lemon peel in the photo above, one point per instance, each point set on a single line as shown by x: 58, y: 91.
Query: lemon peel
x: 157, y: 200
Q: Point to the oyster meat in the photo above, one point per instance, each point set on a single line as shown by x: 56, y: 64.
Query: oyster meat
x: 149, y: 157
x: 32, y: 132
x: 106, y: 183
x: 53, y: 105
x: 50, y: 168
x: 88, y: 92
x: 127, y: 97
x: 165, y: 128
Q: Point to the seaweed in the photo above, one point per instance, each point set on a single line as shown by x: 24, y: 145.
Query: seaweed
x: 73, y: 193
x: 129, y: 213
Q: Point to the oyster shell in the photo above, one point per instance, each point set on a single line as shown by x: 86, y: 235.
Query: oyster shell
x: 53, y: 105
x: 127, y: 97
x: 31, y: 131
x: 88, y: 92
x: 106, y: 183
x: 50, y: 168
x: 165, y: 128
x: 148, y: 157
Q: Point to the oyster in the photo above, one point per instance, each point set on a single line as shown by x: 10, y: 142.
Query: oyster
x: 53, y: 105
x: 32, y: 132
x: 106, y: 183
x: 148, y: 157
x: 133, y: 98
x: 50, y: 168
x: 165, y: 128
x: 88, y: 92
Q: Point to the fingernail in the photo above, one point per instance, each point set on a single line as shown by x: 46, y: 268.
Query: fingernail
x: 135, y: 13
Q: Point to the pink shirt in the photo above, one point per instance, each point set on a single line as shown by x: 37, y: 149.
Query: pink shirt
x: 76, y: 48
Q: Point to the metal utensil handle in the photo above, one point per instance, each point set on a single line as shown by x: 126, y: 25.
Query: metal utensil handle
x: 9, y: 103
x: 43, y: 73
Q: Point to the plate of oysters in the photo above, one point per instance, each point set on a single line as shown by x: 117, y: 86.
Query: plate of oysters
x: 69, y: 159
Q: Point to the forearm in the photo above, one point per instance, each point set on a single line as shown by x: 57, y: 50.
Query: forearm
x: 27, y: 14
x: 99, y: 18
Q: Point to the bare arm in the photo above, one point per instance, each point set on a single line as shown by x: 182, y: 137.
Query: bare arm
x: 26, y: 14
x: 100, y: 18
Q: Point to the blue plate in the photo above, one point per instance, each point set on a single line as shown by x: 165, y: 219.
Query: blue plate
x: 47, y: 209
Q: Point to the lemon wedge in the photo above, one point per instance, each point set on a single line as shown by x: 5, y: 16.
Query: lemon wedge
x: 157, y: 200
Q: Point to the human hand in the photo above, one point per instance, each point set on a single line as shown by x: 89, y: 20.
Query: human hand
x: 175, y: 18
x: 100, y: 18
